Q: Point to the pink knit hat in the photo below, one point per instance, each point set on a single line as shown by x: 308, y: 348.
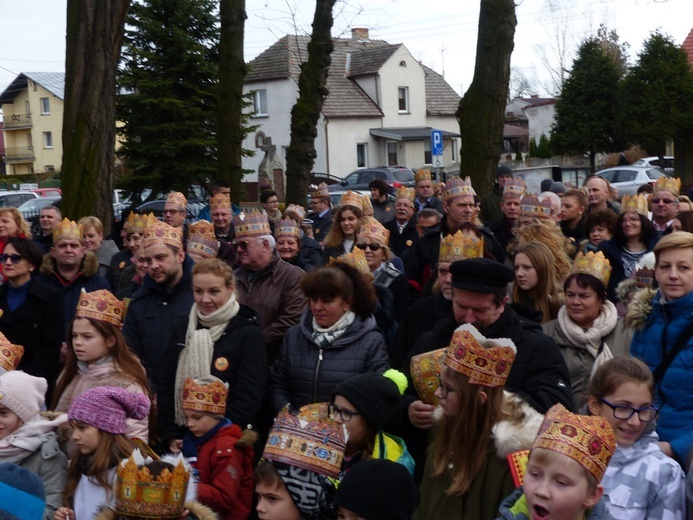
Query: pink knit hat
x: 107, y: 408
x: 22, y: 393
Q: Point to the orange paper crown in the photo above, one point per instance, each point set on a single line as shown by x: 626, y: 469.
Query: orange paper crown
x: 177, y: 198
x: 485, y: 362
x: 319, y: 191
x: 251, y: 224
x: 588, y: 440
x: 356, y: 259
x: 458, y: 187
x: 100, y: 305
x: 10, y: 354
x: 516, y: 186
x: 425, y: 372
x: 68, y: 230
x: 201, y: 239
x: 220, y: 201
x: 406, y: 193
x: 351, y: 198
x: 372, y: 230
x: 670, y: 184
x: 287, y: 228
x: 644, y: 277
x: 594, y: 264
x: 636, y: 203
x: 206, y: 395
x: 458, y: 246
x: 422, y: 175
x: 366, y: 202
x: 297, y: 210
x: 138, y: 223
x: 531, y: 206
x: 309, y: 440
x: 161, y: 233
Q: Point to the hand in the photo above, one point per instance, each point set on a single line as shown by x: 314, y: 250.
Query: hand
x: 175, y: 446
x: 666, y: 449
x: 64, y: 513
x: 421, y: 414
x: 63, y: 353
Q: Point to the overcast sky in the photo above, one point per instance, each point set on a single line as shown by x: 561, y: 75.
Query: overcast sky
x: 441, y: 34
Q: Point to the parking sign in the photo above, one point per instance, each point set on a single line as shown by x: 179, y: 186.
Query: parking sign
x: 436, y: 142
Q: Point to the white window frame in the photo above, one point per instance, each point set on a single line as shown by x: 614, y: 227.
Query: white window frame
x: 362, y: 150
x: 403, y: 95
x: 428, y: 156
x: 45, y: 105
x: 260, y: 103
x: 48, y: 139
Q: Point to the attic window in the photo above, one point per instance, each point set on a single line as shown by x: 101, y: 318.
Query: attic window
x: 403, y: 64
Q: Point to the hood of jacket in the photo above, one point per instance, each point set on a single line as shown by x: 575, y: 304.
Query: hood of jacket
x: 359, y: 328
x: 90, y: 264
x: 646, y: 444
x: 106, y: 251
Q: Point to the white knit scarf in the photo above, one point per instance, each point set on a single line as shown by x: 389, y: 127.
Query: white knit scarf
x: 591, y: 338
x: 29, y: 437
x: 324, y: 336
x: 196, y: 358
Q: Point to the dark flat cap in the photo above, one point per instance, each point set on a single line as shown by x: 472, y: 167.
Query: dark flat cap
x: 481, y: 275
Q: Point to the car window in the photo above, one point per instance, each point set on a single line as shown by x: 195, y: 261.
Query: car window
x: 626, y: 176
x: 403, y: 175
x: 366, y: 177
x: 609, y: 176
x: 380, y: 175
x: 352, y: 178
x: 668, y: 163
x: 654, y: 174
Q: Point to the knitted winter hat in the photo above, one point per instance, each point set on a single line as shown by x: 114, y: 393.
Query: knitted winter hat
x: 374, y: 395
x: 107, y: 408
x: 22, y: 496
x: 22, y: 393
x: 378, y: 490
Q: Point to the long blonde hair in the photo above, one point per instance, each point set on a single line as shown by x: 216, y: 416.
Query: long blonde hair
x: 549, y: 234
x: 23, y: 226
x: 547, y: 295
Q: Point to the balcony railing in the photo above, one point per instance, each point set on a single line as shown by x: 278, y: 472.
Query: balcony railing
x: 17, y: 121
x: 22, y: 154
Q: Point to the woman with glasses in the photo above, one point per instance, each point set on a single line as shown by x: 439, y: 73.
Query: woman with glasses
x: 640, y: 481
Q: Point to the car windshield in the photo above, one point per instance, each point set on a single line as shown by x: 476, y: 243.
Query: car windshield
x: 403, y: 175
x: 654, y: 173
x: 642, y: 162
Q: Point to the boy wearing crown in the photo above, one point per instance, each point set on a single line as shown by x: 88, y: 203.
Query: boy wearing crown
x: 221, y: 454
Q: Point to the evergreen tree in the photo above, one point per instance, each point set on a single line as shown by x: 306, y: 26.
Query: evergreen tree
x: 544, y: 148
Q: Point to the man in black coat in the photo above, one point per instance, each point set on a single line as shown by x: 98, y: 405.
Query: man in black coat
x: 320, y: 212
x: 402, y: 228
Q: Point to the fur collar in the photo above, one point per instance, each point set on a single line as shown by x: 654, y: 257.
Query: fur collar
x: 198, y: 510
x: 639, y: 309
x: 90, y: 264
x: 248, y: 438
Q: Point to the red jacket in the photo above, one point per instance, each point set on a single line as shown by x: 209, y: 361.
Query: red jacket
x: 225, y: 465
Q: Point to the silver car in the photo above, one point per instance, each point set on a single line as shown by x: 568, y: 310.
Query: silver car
x: 627, y: 179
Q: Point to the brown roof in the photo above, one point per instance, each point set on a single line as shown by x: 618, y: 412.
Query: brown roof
x: 510, y: 131
x: 688, y: 46
x: 441, y: 98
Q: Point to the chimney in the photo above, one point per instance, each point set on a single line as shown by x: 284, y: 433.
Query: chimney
x: 347, y: 65
x: 359, y: 34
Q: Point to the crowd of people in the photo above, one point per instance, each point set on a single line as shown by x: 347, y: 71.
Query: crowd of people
x: 418, y: 354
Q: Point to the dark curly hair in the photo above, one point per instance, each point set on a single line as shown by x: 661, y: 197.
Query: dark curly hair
x: 647, y: 230
x: 344, y: 281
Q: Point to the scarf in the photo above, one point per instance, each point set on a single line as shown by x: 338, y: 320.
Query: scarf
x: 29, y: 438
x: 191, y: 443
x: 324, y: 336
x: 591, y: 338
x: 312, y: 493
x: 196, y: 358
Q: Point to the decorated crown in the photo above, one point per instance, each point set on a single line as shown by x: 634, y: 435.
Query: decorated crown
x: 422, y: 175
x: 220, y: 201
x: 161, y: 233
x: 177, y: 198
x: 485, y: 362
x: 356, y: 259
x: 10, y: 354
x: 458, y: 187
x: 68, y: 230
x: 201, y: 239
x: 298, y: 210
x: 587, y: 439
x: 531, y: 206
x: 319, y: 191
x: 206, y: 395
x: 287, y: 228
x: 100, y: 305
x: 670, y: 184
x: 405, y: 193
x: 251, y: 224
x: 644, y: 277
x: 309, y: 440
x: 458, y: 246
x: 366, y: 202
x: 351, y: 198
x: 636, y: 203
x: 138, y: 223
x: 373, y: 230
x: 140, y: 494
x: 594, y: 264
x: 425, y: 371
x: 515, y: 186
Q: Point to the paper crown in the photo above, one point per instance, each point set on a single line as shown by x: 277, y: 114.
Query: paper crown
x: 516, y: 186
x: 644, y: 277
x: 425, y: 371
x: 100, y: 305
x: 422, y: 175
x: 319, y: 191
x: 486, y: 362
x: 206, y: 395
x: 457, y: 187
x: 201, y: 239
x: 594, y: 264
x: 670, y: 184
x: 405, y: 193
x: 297, y: 210
x: 636, y: 203
x: 356, y: 259
x: 458, y: 246
x: 10, y: 354
x: 287, y: 228
x: 177, y: 198
x: 351, y: 198
x: 251, y: 224
x: 588, y: 440
x: 220, y: 201
x: 372, y: 230
x: 366, y: 202
x: 140, y: 494
x: 68, y: 230
x: 138, y: 223
x: 161, y: 233
x: 531, y: 206
x: 309, y: 440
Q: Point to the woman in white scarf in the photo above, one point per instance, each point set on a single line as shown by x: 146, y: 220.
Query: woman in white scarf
x: 588, y: 330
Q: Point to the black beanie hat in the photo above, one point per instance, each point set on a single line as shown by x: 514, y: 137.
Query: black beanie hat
x: 374, y: 395
x: 378, y: 490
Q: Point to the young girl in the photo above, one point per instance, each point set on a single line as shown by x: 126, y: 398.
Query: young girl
x: 345, y: 228
x: 98, y: 356
x: 640, y: 481
x: 98, y: 417
x: 535, y: 285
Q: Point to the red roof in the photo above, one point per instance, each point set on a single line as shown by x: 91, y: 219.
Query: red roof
x: 688, y: 46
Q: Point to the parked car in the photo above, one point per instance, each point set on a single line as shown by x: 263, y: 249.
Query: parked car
x: 667, y: 167
x: 395, y: 176
x: 48, y: 192
x: 627, y: 179
x: 15, y: 198
x: 157, y: 208
x: 32, y: 208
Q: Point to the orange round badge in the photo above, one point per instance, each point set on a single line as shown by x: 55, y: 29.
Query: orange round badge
x: 221, y: 363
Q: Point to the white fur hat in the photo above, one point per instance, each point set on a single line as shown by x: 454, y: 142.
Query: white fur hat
x: 22, y: 393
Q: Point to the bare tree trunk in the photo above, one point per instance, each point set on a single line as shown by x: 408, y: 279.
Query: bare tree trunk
x: 300, y: 157
x: 94, y: 36
x: 481, y: 113
x: 232, y: 70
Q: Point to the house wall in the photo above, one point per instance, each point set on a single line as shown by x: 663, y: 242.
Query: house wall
x: 370, y: 85
x: 541, y: 120
x: 343, y: 136
x: 393, y: 75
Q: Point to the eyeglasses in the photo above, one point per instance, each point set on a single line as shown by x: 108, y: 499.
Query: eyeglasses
x: 624, y: 412
x: 665, y: 201
x: 345, y: 415
x: 372, y: 247
x: 172, y: 211
x: 242, y: 244
x: 445, y: 388
x: 15, y: 259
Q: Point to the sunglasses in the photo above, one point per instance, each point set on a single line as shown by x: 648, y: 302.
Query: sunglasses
x: 15, y: 259
x: 665, y: 201
x: 372, y: 247
x: 242, y: 245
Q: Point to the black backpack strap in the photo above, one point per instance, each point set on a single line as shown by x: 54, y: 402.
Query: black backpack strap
x: 669, y: 357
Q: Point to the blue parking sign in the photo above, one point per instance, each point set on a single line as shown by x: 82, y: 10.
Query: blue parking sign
x: 436, y: 142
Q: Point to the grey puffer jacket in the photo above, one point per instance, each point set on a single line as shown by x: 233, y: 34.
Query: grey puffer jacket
x: 304, y: 373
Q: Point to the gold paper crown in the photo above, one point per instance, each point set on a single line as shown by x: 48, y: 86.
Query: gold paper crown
x: 458, y: 187
x: 298, y: 210
x: 516, y: 186
x: 251, y: 224
x: 220, y: 201
x: 644, y: 277
x: 351, y: 198
x: 531, y: 206
x: 138, y: 223
x: 356, y: 259
x: 10, y: 354
x: 177, y: 198
x: 68, y: 230
x: 587, y: 439
x: 140, y: 494
x: 485, y: 362
x: 161, y: 233
x: 287, y: 228
x: 670, y: 184
x: 594, y: 264
x: 406, y: 193
x: 366, y: 202
x: 425, y: 371
x: 422, y: 175
x: 373, y: 230
x: 458, y: 246
x: 636, y: 203
x: 100, y: 305
x: 319, y: 191
x: 201, y: 239
x: 207, y: 395
x: 309, y: 440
